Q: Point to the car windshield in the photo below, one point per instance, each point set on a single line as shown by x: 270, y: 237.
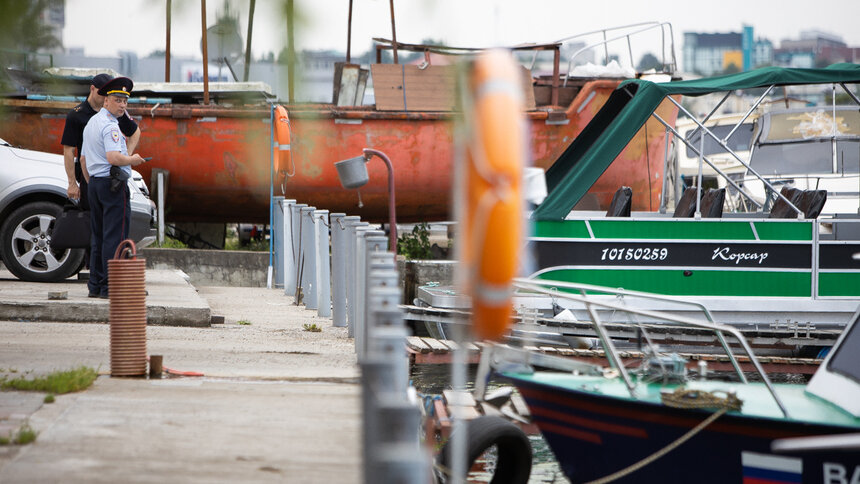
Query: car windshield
x: 740, y: 140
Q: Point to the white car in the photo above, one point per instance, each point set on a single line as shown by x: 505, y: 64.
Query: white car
x: 32, y: 194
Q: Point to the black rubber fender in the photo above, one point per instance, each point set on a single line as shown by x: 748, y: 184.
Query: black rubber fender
x: 514, y: 463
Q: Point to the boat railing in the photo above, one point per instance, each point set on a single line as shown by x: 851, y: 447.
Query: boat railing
x: 723, y: 142
x: 645, y: 27
x: 579, y: 293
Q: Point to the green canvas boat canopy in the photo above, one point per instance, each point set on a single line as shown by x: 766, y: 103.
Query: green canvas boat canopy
x: 630, y: 106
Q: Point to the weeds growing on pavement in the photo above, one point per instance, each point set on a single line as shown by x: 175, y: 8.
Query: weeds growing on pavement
x: 243, y: 322
x: 49, y: 398
x: 58, y: 382
x: 24, y: 436
x: 312, y: 327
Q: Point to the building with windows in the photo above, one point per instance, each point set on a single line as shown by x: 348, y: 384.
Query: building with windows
x: 709, y: 54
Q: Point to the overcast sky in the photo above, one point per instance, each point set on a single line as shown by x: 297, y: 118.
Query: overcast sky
x: 139, y: 25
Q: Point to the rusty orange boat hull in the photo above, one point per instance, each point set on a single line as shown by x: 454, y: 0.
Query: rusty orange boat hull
x: 219, y: 157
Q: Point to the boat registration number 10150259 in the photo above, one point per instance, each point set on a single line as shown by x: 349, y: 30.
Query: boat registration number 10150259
x: 638, y: 253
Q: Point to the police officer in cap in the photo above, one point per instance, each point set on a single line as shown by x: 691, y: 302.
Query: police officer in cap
x: 107, y: 167
x: 73, y: 135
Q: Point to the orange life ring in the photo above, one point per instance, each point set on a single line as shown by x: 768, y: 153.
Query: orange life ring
x: 493, y: 207
x: 284, y: 158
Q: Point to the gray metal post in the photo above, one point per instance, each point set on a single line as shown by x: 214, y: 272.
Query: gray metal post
x: 323, y: 264
x: 349, y: 243
x: 289, y: 259
x: 276, y: 233
x: 391, y: 421
x: 309, y: 258
x: 161, y: 187
x: 296, y: 220
x: 360, y: 289
x: 338, y: 269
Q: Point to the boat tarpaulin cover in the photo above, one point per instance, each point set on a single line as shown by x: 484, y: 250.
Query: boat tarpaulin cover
x: 630, y: 106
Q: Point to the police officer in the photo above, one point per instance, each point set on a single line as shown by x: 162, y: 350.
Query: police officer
x: 73, y: 134
x: 105, y: 147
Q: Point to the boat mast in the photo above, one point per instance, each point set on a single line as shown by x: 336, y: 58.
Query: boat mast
x: 167, y: 46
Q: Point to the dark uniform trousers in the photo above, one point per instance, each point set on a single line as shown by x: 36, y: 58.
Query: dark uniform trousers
x: 110, y: 216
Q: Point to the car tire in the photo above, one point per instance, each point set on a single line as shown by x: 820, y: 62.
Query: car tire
x: 25, y: 245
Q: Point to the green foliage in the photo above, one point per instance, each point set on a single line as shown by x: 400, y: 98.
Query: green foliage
x: 26, y: 435
x: 415, y: 245
x: 49, y: 398
x: 243, y: 322
x: 312, y: 327
x: 171, y: 243
x: 59, y: 382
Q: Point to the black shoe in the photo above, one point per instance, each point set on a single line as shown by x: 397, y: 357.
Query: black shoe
x: 93, y: 294
x: 103, y: 296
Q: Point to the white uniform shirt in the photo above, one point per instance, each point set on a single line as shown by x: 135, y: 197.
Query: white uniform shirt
x: 101, y: 135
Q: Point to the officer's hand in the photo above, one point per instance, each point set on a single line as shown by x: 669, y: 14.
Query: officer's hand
x: 136, y: 159
x: 74, y: 191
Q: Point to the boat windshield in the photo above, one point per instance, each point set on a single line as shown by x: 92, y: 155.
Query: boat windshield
x: 740, y: 140
x: 806, y: 157
x: 846, y: 358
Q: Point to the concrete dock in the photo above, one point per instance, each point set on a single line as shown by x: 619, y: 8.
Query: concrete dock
x: 276, y: 403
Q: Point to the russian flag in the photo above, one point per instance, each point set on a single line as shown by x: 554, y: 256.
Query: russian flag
x: 771, y: 469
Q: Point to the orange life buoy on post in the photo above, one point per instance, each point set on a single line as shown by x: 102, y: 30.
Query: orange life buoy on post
x: 492, y: 214
x: 283, y: 159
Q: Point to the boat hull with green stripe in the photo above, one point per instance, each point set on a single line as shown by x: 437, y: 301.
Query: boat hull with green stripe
x: 744, y: 269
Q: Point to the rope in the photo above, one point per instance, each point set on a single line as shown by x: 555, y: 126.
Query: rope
x: 665, y: 450
x: 683, y: 398
x: 322, y: 219
x: 340, y: 223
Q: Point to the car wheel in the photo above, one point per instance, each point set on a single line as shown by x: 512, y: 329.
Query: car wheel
x: 25, y: 243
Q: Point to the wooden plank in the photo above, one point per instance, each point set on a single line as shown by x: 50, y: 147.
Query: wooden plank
x: 490, y: 410
x: 415, y: 343
x: 520, y: 405
x: 430, y: 89
x: 463, y: 413
x: 472, y: 347
x: 451, y: 344
x: 549, y: 349
x: 459, y: 398
x: 435, y: 346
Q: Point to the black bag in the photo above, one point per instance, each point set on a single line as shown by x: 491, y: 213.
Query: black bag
x: 71, y: 229
x: 118, y: 178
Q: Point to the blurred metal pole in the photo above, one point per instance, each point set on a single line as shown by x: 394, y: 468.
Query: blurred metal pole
x: 205, y: 54
x: 248, y: 40
x: 296, y: 220
x: 360, y: 289
x: 352, y: 223
x: 167, y: 46
x: 276, y: 233
x: 308, y: 257
x: 323, y: 263
x: 338, y: 269
x: 289, y: 258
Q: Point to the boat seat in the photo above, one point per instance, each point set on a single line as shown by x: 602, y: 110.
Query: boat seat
x: 620, y: 205
x: 812, y: 202
x: 712, y: 203
x: 686, y: 206
x: 783, y: 210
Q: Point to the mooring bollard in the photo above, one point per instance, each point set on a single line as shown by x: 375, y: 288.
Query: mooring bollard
x: 309, y: 258
x: 276, y: 234
x: 360, y: 288
x: 296, y: 220
x: 323, y: 263
x: 286, y: 244
x: 338, y: 269
x: 391, y: 420
x: 349, y: 245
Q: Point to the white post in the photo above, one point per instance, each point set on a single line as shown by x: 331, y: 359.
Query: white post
x: 338, y: 268
x: 308, y: 256
x: 160, y: 207
x: 323, y: 263
x: 289, y: 258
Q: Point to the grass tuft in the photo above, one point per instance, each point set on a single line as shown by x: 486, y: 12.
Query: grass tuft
x: 58, y: 383
x: 49, y: 398
x: 313, y: 328
x: 243, y: 322
x: 25, y: 435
